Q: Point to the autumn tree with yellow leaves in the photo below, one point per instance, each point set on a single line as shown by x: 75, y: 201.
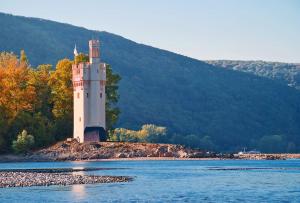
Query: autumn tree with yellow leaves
x: 17, y: 93
x: 40, y: 100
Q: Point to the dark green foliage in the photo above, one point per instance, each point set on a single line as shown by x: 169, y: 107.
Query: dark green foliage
x: 3, y: 131
x: 207, y: 143
x: 41, y: 79
x: 187, y: 96
x: 194, y: 141
x: 112, y: 97
x: 36, y: 124
x: 63, y: 127
x: 272, y: 143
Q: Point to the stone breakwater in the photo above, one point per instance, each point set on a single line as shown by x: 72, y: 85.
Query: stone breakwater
x: 28, y: 179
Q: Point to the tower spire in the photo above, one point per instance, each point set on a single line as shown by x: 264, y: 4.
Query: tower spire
x: 75, y: 51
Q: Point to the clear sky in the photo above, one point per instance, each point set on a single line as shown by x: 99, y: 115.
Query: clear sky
x: 203, y: 29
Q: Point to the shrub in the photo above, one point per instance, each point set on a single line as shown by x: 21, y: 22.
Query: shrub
x: 23, y: 143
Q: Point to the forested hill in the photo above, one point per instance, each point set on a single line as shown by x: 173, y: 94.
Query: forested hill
x: 285, y: 73
x: 230, y: 108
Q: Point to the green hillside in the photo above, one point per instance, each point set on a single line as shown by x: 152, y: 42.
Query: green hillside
x: 187, y: 96
x: 285, y: 73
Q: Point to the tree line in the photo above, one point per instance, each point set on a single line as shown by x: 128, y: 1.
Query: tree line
x: 38, y: 101
x: 36, y: 110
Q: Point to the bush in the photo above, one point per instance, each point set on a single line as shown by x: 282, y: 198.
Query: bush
x: 23, y: 143
x: 148, y: 133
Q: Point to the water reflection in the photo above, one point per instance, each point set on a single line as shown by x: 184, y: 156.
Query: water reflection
x: 78, y: 191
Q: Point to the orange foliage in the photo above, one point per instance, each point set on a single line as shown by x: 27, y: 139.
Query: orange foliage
x: 16, y: 92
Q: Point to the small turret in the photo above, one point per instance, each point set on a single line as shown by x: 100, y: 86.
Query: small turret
x: 94, y: 52
x: 75, y: 51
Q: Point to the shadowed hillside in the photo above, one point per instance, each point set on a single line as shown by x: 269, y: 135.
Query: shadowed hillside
x: 187, y: 96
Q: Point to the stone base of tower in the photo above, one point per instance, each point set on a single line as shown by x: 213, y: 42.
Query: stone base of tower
x: 94, y: 134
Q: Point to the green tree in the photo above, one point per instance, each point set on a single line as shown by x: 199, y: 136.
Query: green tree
x: 112, y: 97
x: 192, y: 141
x: 3, y: 131
x: 35, y: 123
x: 152, y: 133
x: 63, y: 127
x: 23, y: 143
x: 124, y: 135
x: 40, y: 79
x: 272, y: 144
x: 291, y: 147
x: 206, y: 143
x: 148, y: 133
x: 177, y: 139
x: 81, y: 58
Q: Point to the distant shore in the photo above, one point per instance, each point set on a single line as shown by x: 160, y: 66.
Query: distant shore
x: 236, y: 157
x: 15, y: 158
x: 276, y: 156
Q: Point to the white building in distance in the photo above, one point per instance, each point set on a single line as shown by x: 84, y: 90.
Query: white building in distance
x: 89, y: 80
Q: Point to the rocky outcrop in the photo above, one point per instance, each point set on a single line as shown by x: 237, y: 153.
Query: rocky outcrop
x: 72, y: 150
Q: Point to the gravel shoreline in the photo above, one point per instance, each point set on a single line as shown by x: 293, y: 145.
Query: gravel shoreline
x: 56, y: 170
x: 28, y: 179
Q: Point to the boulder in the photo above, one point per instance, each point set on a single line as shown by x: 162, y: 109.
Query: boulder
x: 121, y: 155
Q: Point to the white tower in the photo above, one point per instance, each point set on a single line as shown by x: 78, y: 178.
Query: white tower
x: 89, y: 97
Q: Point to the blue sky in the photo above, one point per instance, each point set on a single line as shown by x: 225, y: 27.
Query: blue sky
x: 203, y: 29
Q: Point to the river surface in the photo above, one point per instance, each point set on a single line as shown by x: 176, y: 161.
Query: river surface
x: 171, y: 181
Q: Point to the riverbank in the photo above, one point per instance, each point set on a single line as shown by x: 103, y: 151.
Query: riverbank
x: 47, y: 177
x: 73, y: 151
x: 109, y: 151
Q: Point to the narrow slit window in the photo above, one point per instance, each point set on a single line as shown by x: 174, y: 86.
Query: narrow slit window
x: 100, y: 95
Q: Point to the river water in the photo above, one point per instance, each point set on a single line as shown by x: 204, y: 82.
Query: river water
x: 171, y: 181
